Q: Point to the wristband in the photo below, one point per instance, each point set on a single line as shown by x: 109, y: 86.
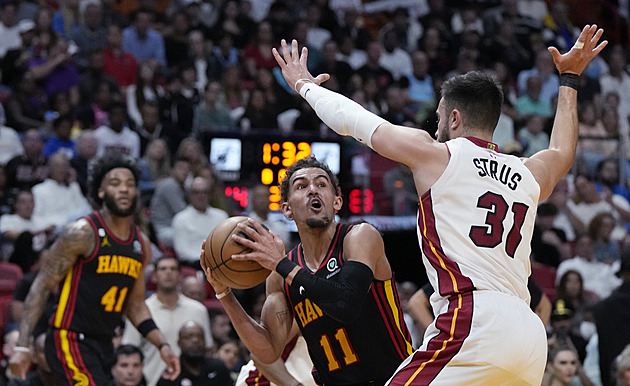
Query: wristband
x: 162, y: 345
x: 22, y: 349
x: 147, y: 326
x: 223, y: 294
x: 301, y: 79
x: 570, y: 80
x: 284, y: 267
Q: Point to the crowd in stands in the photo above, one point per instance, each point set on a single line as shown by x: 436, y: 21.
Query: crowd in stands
x: 153, y: 79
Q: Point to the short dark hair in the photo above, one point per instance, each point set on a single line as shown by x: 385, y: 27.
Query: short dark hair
x: 478, y: 96
x: 167, y: 257
x: 67, y: 117
x: 308, y: 162
x: 103, y: 166
x: 128, y: 349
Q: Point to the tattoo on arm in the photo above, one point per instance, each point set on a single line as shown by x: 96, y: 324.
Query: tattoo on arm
x: 76, y: 240
x: 282, y: 315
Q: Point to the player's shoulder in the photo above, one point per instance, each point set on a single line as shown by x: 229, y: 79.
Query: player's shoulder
x: 363, y: 232
x: 78, y: 237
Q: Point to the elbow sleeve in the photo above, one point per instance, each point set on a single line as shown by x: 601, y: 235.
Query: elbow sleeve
x: 341, y: 299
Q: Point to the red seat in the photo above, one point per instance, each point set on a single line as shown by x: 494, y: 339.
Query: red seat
x: 545, y: 277
x: 10, y: 275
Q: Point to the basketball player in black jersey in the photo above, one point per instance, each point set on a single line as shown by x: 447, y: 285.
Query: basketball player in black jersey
x: 337, y: 284
x: 98, y: 261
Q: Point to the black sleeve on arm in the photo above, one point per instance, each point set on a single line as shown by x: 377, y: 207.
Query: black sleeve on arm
x: 341, y: 299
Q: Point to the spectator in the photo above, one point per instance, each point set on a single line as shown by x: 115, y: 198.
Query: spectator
x: 178, y: 101
x: 154, y: 167
x: 546, y: 71
x: 373, y: 68
x: 600, y: 228
x: 91, y: 35
x: 29, y: 168
x: 607, y: 178
x: 58, y: 200
x: 348, y: 53
x: 622, y: 367
x: 331, y: 64
x: 532, y: 137
x: 618, y: 80
x: 221, y: 328
x: 25, y: 107
x: 168, y: 200
x: 393, y: 58
x: 231, y: 22
x: 19, y: 297
x: 94, y: 75
x: 420, y: 81
x: 598, y: 277
x: 531, y: 103
x: 587, y: 203
x: 191, y: 150
x: 66, y: 20
x: 400, y: 189
x: 565, y: 219
x: 612, y: 315
x: 60, y: 142
x: 258, y: 114
x: 143, y: 42
x: 119, y: 64
x: 195, y: 288
x: 57, y: 71
x: 206, y: 64
x: 591, y: 144
x: 561, y: 330
x: 563, y: 367
x: 257, y: 54
x: 175, y: 41
x: 192, y: 225
x: 23, y: 238
x: 259, y: 210
x: 170, y: 310
x: 87, y: 147
x: 15, y: 61
x: 197, y: 368
x: 229, y: 353
x: 10, y: 144
x: 145, y: 90
x: 127, y: 370
x: 211, y: 115
x: 9, y: 29
x: 41, y: 373
x: 152, y: 128
x: 117, y: 138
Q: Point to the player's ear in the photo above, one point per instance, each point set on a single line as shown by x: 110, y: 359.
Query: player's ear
x: 286, y: 210
x: 101, y: 193
x: 338, y: 203
x: 455, y: 119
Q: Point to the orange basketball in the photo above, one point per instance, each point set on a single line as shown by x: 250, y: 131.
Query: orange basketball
x: 219, y: 248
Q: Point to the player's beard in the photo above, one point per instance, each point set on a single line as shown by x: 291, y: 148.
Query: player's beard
x: 318, y: 222
x: 110, y: 203
x: 443, y: 133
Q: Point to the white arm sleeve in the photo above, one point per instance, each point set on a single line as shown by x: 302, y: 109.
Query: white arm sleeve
x: 343, y: 115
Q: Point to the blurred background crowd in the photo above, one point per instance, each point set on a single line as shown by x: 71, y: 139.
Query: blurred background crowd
x: 155, y: 79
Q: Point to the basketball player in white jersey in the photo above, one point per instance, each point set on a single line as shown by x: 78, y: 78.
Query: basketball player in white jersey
x: 476, y: 216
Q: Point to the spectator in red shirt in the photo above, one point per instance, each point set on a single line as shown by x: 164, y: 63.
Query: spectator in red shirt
x: 120, y: 65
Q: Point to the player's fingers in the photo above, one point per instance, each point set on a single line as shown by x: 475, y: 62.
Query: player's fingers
x: 321, y: 78
x: 278, y: 58
x: 294, y: 51
x: 304, y: 57
x: 554, y: 53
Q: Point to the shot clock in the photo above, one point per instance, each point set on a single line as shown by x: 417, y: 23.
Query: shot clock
x: 247, y: 160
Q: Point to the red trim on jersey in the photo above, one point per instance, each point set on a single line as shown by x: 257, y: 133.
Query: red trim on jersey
x: 454, y: 325
x: 126, y: 242
x: 332, y: 248
x: 61, y: 357
x: 78, y: 357
x: 450, y: 278
x: 98, y: 238
x: 72, y: 296
x: 483, y: 143
x: 388, y: 317
x: 256, y: 378
x: 286, y: 286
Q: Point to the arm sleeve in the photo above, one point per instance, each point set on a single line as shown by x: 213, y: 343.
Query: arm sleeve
x: 341, y: 299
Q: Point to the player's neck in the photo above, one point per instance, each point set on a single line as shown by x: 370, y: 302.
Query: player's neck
x: 120, y: 226
x: 315, y: 243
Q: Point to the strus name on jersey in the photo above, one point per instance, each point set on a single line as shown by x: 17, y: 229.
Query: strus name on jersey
x: 119, y: 264
x: 498, y: 171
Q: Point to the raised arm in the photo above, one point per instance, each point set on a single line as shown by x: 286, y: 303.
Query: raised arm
x: 76, y: 239
x: 549, y: 165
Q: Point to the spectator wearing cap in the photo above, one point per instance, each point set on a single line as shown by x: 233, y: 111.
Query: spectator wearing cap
x: 560, y: 329
x: 612, y: 318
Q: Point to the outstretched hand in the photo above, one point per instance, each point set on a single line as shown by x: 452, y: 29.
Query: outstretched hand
x: 293, y: 65
x: 267, y: 248
x: 582, y: 52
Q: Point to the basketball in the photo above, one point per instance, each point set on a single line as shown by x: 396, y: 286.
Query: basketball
x: 219, y: 248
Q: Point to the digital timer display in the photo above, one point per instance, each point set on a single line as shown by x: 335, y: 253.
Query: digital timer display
x: 246, y: 160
